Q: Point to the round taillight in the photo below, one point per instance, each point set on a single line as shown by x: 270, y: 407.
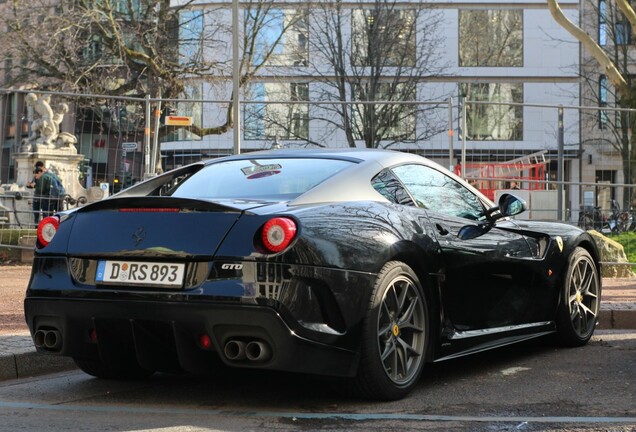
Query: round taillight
x: 278, y: 234
x: 47, y: 229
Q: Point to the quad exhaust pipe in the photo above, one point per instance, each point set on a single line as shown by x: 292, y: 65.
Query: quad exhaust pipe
x: 48, y: 339
x: 235, y: 350
x: 254, y: 351
x: 257, y: 351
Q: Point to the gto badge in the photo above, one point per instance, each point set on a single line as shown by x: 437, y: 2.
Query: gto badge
x: 231, y: 266
x: 559, y: 242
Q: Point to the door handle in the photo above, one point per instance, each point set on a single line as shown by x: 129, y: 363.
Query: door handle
x: 441, y: 229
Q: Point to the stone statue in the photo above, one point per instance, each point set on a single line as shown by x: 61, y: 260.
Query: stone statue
x: 45, y: 130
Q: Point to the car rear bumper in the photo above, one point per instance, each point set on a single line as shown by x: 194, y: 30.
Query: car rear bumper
x: 167, y: 336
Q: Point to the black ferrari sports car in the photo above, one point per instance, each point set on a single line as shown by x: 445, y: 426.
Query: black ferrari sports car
x: 359, y: 264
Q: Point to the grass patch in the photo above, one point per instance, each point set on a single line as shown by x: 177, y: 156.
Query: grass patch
x: 628, y: 240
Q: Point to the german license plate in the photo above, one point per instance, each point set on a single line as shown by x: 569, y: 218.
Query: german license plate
x: 155, y: 274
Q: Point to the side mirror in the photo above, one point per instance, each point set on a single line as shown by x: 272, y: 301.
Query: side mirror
x: 510, y: 205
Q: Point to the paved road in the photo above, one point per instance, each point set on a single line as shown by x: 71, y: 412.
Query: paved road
x: 528, y: 387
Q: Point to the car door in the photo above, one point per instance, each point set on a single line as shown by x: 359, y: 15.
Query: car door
x: 488, y: 271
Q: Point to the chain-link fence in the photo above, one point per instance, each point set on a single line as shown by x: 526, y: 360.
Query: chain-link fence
x: 570, y: 163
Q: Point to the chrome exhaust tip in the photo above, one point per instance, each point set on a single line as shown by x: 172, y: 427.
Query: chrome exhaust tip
x: 50, y: 340
x: 234, y: 350
x: 258, y: 351
x: 53, y: 340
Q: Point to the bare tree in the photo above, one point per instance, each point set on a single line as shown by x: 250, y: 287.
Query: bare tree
x: 613, y: 59
x: 100, y: 47
x: 373, y: 55
x: 127, y: 47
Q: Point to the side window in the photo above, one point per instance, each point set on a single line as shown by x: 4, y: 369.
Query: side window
x: 435, y: 191
x: 390, y: 188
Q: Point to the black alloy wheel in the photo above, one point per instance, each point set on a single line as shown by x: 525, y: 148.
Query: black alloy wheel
x: 580, y: 300
x: 395, y: 335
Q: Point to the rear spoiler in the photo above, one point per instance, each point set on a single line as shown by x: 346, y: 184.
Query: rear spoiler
x: 157, y: 203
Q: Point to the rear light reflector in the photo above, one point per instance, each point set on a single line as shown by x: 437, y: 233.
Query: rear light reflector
x: 278, y: 233
x: 205, y: 341
x: 47, y: 230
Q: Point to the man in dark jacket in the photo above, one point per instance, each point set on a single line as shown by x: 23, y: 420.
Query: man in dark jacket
x: 46, y: 199
x: 36, y: 184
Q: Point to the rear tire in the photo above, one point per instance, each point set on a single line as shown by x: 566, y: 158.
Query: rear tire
x: 578, y: 310
x: 395, y: 335
x: 99, y: 369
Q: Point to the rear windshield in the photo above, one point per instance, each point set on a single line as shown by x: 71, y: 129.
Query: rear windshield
x: 277, y: 179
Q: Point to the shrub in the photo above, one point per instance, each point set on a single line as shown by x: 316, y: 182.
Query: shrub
x: 11, y: 236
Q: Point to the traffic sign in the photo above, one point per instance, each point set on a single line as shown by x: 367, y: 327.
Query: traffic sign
x: 178, y: 121
x: 129, y: 146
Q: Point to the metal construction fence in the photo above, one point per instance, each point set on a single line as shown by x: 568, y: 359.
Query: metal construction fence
x: 571, y: 163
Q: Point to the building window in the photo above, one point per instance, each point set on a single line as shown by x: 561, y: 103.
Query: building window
x: 93, y: 49
x: 191, y: 37
x: 130, y: 9
x: 623, y: 33
x: 388, y: 121
x: 605, y: 193
x: 280, y: 38
x: 8, y: 70
x: 602, y: 101
x: 126, y: 8
x: 602, y: 22
x: 491, y: 38
x: 10, y: 116
x: 122, y: 7
x: 490, y: 116
x: 277, y: 120
x: 386, y: 37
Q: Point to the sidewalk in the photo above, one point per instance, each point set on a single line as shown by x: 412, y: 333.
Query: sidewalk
x: 18, y: 358
x: 618, y: 304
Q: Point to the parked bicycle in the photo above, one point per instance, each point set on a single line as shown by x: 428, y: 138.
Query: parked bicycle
x: 591, y: 217
x: 619, y: 220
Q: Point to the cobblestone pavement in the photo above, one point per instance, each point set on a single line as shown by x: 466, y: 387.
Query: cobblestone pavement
x: 18, y: 357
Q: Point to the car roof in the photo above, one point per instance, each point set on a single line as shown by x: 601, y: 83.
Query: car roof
x: 351, y: 184
x: 381, y: 156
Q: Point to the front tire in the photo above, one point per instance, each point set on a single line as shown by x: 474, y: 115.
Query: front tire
x: 395, y: 335
x: 577, y: 314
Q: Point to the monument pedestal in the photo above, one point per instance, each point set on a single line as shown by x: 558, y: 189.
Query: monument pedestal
x: 65, y: 165
x: 56, y: 149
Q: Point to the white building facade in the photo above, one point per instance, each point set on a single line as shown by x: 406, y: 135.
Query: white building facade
x: 511, y: 55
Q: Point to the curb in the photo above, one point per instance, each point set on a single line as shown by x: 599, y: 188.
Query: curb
x: 29, y: 364
x: 617, y: 319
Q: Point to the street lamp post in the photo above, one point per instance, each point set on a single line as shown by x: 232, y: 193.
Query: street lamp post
x: 235, y: 77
